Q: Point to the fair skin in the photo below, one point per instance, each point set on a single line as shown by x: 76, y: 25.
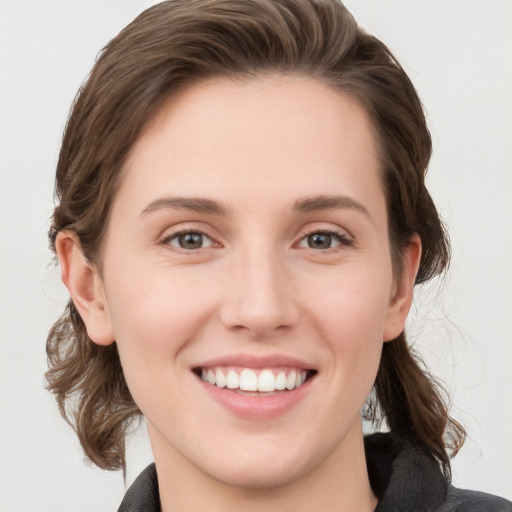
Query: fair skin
x: 285, y: 269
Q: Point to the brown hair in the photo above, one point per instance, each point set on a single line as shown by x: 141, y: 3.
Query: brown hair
x: 179, y: 42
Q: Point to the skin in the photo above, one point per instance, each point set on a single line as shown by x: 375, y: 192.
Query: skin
x: 257, y: 286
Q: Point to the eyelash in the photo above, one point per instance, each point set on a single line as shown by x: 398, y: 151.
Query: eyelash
x: 341, y: 238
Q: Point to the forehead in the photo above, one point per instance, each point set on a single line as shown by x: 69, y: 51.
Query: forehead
x: 258, y: 134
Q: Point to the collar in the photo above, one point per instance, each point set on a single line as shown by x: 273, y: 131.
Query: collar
x: 142, y: 496
x: 403, y: 477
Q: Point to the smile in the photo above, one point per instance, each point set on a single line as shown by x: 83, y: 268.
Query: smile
x: 256, y: 387
x: 256, y: 381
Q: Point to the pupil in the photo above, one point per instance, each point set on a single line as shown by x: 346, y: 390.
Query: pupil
x: 320, y: 241
x: 191, y: 241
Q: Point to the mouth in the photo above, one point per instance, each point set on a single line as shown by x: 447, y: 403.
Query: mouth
x: 255, y: 381
x: 256, y: 387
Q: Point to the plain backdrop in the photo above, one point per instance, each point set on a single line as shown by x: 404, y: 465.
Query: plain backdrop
x: 459, y: 55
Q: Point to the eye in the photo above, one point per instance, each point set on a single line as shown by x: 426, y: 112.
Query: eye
x: 324, y: 240
x: 189, y: 241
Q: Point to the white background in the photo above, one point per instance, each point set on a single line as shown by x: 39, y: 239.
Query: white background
x: 459, y: 55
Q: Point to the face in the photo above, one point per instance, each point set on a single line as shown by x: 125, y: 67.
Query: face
x: 246, y: 278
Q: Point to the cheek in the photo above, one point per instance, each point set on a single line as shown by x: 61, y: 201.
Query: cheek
x: 354, y: 305
x: 351, y: 315
x: 154, y: 315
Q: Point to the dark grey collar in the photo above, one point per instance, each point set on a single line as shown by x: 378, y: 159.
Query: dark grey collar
x: 142, y: 496
x: 403, y: 478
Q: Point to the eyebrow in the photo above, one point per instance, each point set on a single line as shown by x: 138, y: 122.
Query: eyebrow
x: 328, y: 202
x: 209, y: 206
x: 194, y: 204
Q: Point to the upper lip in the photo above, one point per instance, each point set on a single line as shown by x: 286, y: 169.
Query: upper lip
x: 251, y: 361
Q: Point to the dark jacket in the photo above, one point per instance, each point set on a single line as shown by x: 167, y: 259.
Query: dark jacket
x: 403, y: 478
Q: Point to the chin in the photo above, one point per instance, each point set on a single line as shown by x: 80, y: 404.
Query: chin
x: 264, y: 469
x: 259, y: 478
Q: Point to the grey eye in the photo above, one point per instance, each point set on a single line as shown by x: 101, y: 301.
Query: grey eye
x: 320, y: 241
x: 190, y: 241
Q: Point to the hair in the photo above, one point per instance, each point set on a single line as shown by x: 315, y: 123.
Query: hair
x: 172, y: 45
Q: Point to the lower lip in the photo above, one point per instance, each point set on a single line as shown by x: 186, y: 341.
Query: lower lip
x: 256, y: 407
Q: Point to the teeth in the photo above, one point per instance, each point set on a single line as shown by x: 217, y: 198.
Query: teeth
x: 291, y: 380
x: 266, y: 381
x: 220, y: 380
x: 249, y: 380
x: 281, y: 381
x: 232, y: 380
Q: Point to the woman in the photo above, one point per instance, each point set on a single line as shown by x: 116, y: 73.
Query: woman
x: 242, y: 220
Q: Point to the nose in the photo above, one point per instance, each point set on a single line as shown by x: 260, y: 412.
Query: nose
x: 259, y: 297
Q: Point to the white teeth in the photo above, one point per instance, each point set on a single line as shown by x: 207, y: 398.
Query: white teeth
x: 232, y: 380
x: 281, y: 381
x: 249, y: 380
x: 291, y: 380
x: 266, y: 381
x: 220, y: 380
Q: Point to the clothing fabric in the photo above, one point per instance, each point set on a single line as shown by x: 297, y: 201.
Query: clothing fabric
x: 403, y: 478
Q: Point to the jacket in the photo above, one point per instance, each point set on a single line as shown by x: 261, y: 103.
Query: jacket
x: 403, y: 478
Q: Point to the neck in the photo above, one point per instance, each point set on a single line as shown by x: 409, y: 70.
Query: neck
x: 337, y: 484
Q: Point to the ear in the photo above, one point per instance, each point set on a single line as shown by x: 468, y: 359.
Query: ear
x: 401, y: 299
x: 85, y: 287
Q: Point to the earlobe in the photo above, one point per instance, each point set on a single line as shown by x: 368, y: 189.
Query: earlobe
x: 401, y: 300
x: 85, y: 286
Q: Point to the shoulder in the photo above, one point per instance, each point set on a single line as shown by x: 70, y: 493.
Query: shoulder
x: 460, y: 500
